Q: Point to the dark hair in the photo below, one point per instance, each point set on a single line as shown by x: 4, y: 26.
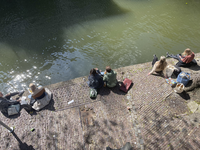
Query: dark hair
x: 108, y: 69
x: 93, y: 71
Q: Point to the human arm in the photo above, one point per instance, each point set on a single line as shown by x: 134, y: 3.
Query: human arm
x: 165, y: 72
x: 6, y: 102
x: 153, y: 69
x: 105, y: 77
x: 9, y: 95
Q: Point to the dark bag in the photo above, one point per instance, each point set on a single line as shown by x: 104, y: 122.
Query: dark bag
x: 176, y: 71
x: 126, y: 85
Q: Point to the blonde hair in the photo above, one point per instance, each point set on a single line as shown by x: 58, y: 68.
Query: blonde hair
x: 32, y: 87
x: 162, y: 63
x: 187, y: 52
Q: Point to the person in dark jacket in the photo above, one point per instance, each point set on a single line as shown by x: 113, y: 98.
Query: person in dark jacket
x: 5, y: 101
x: 95, y: 81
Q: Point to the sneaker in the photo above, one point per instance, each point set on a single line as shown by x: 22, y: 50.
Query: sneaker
x: 167, y: 54
x: 21, y: 93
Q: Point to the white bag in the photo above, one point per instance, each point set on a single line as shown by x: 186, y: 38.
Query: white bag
x: 179, y: 88
x: 169, y: 70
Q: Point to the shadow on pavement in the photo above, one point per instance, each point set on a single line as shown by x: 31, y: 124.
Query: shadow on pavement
x: 22, y: 146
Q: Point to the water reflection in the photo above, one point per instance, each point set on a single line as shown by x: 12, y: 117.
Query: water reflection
x: 48, y: 42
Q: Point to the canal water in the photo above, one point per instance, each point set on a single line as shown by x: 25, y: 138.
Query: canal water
x: 51, y: 41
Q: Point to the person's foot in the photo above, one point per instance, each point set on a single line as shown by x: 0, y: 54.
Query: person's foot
x: 21, y: 93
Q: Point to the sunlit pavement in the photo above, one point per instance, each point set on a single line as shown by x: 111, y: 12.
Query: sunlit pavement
x: 158, y: 118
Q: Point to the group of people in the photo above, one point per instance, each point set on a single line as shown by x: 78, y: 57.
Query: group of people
x: 39, y: 98
x: 98, y: 79
x: 186, y: 59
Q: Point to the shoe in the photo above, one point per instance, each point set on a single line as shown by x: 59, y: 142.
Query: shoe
x: 21, y: 93
x: 167, y: 55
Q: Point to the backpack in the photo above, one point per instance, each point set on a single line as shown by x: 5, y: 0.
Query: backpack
x: 93, y: 93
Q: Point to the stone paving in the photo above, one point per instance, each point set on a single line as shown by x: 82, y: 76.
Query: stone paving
x: 158, y: 117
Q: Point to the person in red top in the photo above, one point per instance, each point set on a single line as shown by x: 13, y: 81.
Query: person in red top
x: 186, y: 59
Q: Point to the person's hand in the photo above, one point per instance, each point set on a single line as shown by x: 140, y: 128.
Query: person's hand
x: 18, y: 100
x: 149, y: 73
x: 7, y: 94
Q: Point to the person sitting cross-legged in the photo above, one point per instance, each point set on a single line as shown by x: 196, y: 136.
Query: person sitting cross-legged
x: 159, y: 65
x: 6, y: 101
x: 40, y: 96
x: 110, y: 77
x: 95, y: 81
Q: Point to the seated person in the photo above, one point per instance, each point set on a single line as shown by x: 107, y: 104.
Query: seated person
x: 5, y: 101
x: 159, y: 66
x: 95, y: 81
x: 185, y: 60
x: 110, y: 77
x: 40, y: 97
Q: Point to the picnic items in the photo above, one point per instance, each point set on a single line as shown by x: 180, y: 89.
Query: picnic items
x: 184, y: 78
x: 179, y: 88
x: 169, y: 70
x: 171, y: 82
x: 126, y: 85
x: 23, y: 100
x: 172, y: 71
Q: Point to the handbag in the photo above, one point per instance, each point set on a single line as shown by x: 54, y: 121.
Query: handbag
x: 13, y: 109
x: 184, y: 78
x: 126, y: 85
x: 179, y: 88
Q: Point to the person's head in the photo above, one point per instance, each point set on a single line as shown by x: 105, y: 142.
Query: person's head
x: 1, y: 94
x: 108, y: 69
x: 93, y: 71
x: 32, y: 87
x: 187, y: 52
x: 162, y: 59
x: 162, y: 62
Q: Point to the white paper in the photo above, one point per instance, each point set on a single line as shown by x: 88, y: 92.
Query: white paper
x: 70, y: 101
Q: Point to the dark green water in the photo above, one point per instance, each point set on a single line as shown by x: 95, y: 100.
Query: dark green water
x: 56, y: 40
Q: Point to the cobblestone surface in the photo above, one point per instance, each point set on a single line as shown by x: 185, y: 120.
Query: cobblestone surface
x: 158, y: 117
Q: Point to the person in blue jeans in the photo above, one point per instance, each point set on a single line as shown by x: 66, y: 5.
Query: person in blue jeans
x: 95, y: 81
